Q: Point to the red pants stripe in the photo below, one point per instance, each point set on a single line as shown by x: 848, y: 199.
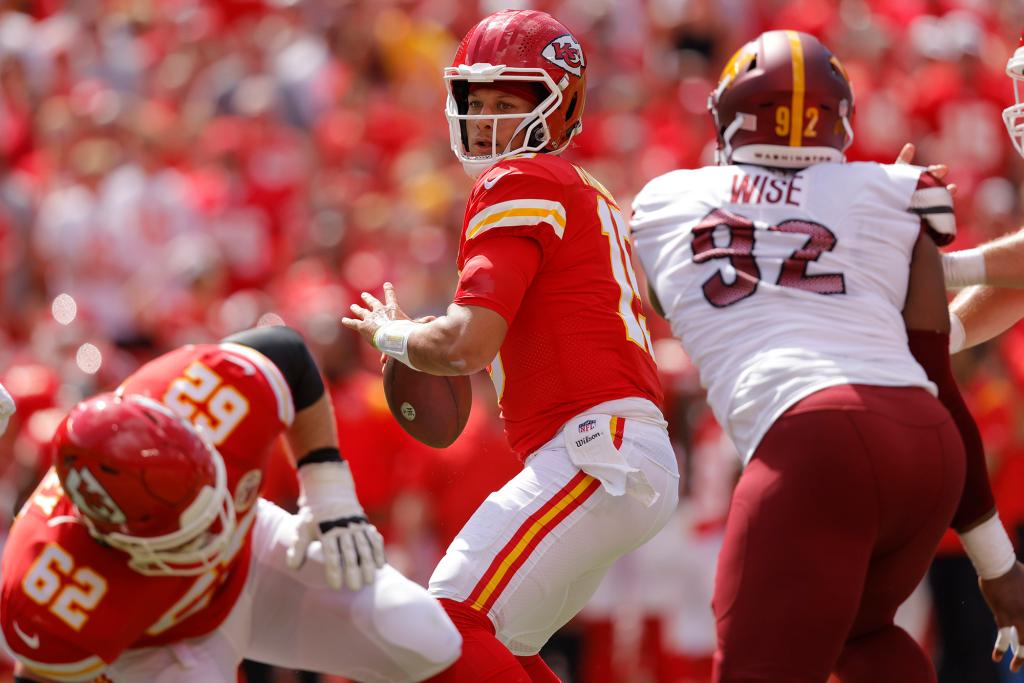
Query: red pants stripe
x: 529, y: 535
x: 832, y: 525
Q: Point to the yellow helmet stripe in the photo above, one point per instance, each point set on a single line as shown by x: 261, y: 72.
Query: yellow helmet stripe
x: 796, y: 113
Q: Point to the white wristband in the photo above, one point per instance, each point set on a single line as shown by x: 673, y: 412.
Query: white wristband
x: 964, y: 268
x: 326, y: 485
x: 392, y: 338
x: 989, y: 548
x: 957, y: 333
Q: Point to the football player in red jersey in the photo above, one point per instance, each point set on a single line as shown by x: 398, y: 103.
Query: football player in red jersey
x: 547, y: 299
x: 148, y: 554
x: 809, y: 293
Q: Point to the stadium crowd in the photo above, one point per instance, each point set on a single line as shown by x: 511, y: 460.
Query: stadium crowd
x: 177, y: 170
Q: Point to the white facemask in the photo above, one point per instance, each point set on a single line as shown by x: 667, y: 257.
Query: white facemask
x: 1013, y: 116
x: 534, y: 123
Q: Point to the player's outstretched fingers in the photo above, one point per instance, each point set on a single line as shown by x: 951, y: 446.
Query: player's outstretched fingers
x: 366, y: 564
x: 371, y: 301
x: 1003, y: 640
x: 296, y: 555
x: 377, y: 543
x: 332, y: 562
x: 390, y: 298
x: 353, y: 577
x: 1018, y: 653
x: 906, y: 154
x: 1007, y: 639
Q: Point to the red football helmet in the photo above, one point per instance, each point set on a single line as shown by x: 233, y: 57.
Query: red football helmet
x: 783, y: 100
x: 1013, y: 116
x: 146, y: 483
x: 518, y: 47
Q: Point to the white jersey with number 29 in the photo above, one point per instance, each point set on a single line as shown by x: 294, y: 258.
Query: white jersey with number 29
x: 782, y: 283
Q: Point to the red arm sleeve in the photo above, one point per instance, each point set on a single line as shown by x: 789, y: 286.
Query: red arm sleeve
x: 931, y: 349
x: 497, y: 272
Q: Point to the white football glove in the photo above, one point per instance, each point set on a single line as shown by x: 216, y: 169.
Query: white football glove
x: 329, y: 511
x: 7, y: 408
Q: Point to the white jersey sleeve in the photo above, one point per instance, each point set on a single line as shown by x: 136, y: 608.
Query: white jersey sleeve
x: 782, y: 283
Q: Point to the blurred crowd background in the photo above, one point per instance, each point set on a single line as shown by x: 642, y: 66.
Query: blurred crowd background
x: 173, y: 171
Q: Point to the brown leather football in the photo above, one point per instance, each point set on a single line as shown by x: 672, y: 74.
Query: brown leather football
x: 433, y: 409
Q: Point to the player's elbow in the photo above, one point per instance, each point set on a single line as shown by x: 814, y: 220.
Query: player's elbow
x: 472, y: 337
x: 466, y: 357
x: 446, y: 349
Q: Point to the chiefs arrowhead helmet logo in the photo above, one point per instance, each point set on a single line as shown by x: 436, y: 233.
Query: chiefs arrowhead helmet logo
x: 91, y: 498
x: 565, y: 51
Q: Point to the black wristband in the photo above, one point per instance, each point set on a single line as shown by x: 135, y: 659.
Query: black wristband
x: 329, y: 454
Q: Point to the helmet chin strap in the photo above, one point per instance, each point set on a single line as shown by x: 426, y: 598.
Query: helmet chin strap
x: 723, y: 156
x: 849, y: 132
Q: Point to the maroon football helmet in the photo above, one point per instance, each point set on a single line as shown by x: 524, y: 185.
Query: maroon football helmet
x: 518, y: 47
x: 145, y: 482
x: 783, y: 100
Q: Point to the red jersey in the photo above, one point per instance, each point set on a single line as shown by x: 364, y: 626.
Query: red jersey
x: 578, y: 336
x: 71, y: 605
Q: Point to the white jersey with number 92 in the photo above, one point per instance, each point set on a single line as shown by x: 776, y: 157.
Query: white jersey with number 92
x: 782, y: 283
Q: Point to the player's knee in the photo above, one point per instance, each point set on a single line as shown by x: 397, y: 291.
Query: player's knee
x: 484, y: 659
x: 415, y: 624
x: 887, y: 655
x: 465, y: 617
x: 538, y: 670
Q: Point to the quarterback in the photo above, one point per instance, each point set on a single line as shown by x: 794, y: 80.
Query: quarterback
x: 809, y: 293
x: 146, y: 553
x: 547, y: 299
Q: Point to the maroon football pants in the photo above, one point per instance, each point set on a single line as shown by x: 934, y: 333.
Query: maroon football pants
x: 832, y: 525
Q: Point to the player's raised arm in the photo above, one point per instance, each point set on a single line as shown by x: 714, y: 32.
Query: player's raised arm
x: 331, y: 512
x: 999, y: 263
x: 978, y: 314
x: 461, y: 342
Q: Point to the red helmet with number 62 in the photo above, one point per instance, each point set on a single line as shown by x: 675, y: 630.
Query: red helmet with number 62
x: 145, y: 482
x: 783, y: 100
x: 518, y: 48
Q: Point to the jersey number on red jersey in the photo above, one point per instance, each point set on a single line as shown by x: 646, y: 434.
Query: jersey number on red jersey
x: 223, y: 406
x: 613, y: 226
x: 69, y: 592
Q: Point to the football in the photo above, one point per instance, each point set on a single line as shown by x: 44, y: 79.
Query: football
x: 431, y: 408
